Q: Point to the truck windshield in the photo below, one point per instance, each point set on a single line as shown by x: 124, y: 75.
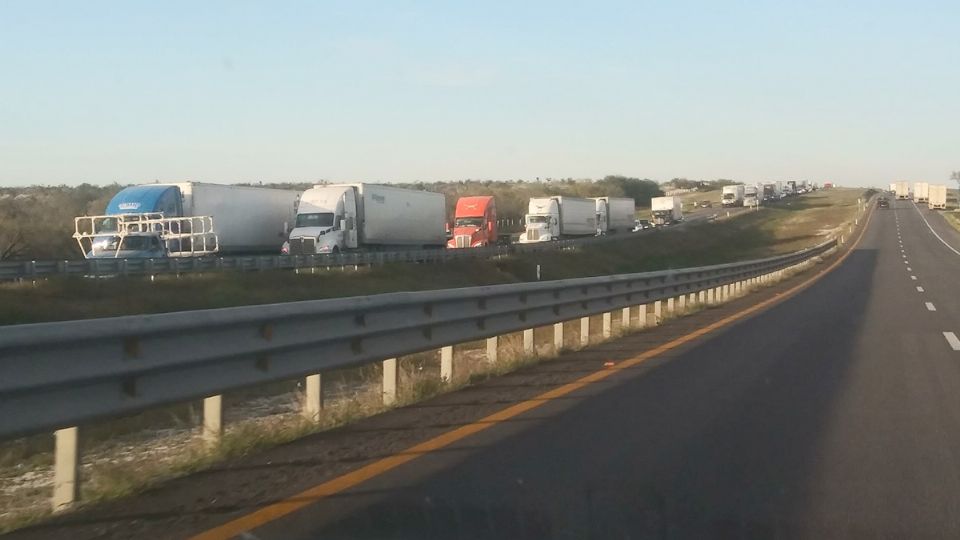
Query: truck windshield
x: 729, y: 196
x: 469, y: 222
x: 538, y: 219
x: 324, y: 219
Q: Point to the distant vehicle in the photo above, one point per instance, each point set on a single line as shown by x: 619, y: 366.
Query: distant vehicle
x: 902, y: 190
x: 882, y: 202
x: 615, y: 214
x: 474, y: 223
x: 751, y: 196
x: 188, y: 219
x: 827, y: 185
x: 732, y: 195
x: 791, y: 188
x: 706, y: 204
x: 557, y: 217
x: 666, y: 210
x: 921, y: 192
x: 938, y: 197
x: 642, y: 224
x: 340, y: 217
x: 770, y: 192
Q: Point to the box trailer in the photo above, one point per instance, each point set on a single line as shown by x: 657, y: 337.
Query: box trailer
x: 937, y: 199
x: 732, y: 195
x: 666, y: 210
x: 341, y: 217
x: 902, y: 189
x: 554, y: 218
x: 921, y: 192
x: 188, y: 219
x: 615, y: 214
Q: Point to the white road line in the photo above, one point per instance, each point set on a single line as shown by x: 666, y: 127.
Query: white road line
x: 944, y: 242
x: 952, y: 340
x: 906, y: 262
x: 930, y: 306
x: 913, y: 278
x: 909, y: 269
x: 919, y: 289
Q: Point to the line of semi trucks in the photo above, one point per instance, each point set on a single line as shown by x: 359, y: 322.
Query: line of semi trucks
x: 751, y: 195
x: 195, y: 219
x: 934, y: 195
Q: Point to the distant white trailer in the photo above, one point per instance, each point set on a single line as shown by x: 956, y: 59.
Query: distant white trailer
x: 921, y: 192
x: 902, y: 190
x: 615, y: 214
x: 938, y: 197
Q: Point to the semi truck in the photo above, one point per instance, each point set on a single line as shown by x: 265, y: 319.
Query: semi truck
x: 937, y: 199
x: 615, y: 214
x: 770, y: 192
x: 902, y: 189
x: 791, y: 186
x: 921, y: 192
x: 557, y: 217
x: 751, y: 196
x: 732, y: 195
x: 474, y: 223
x: 187, y: 219
x: 667, y: 210
x: 345, y: 217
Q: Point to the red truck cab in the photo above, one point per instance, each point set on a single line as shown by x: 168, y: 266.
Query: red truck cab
x: 474, y: 223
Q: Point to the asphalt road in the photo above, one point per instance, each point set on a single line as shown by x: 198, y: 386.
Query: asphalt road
x: 832, y: 414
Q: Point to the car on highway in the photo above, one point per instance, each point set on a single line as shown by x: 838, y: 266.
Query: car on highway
x: 882, y: 202
x: 706, y: 204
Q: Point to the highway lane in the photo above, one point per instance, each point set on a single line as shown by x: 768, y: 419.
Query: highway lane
x: 832, y: 414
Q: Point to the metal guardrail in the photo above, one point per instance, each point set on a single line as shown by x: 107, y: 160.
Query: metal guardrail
x: 54, y: 375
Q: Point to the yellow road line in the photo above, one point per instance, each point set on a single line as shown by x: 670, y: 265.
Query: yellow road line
x: 287, y: 506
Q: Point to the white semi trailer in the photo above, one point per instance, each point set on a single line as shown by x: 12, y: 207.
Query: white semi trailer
x: 921, y: 192
x: 615, y: 214
x: 666, y: 210
x: 732, y: 195
x: 340, y: 217
x: 558, y: 217
x: 902, y: 190
x: 938, y: 197
x: 188, y: 219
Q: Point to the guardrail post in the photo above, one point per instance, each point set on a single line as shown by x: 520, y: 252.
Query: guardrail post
x: 558, y: 337
x: 391, y: 378
x: 212, y: 420
x: 528, y: 341
x: 492, y: 344
x: 702, y: 297
x: 671, y: 304
x: 642, y: 316
x: 625, y: 322
x: 66, y: 468
x: 446, y: 363
x: 607, y: 324
x: 584, y: 331
x: 313, y: 397
x: 682, y: 303
x: 658, y: 312
x: 711, y: 295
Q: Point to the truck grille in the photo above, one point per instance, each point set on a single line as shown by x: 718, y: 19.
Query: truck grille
x: 303, y: 246
x: 533, y: 235
x: 463, y: 240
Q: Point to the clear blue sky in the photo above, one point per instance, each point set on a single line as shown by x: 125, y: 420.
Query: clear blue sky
x: 225, y: 91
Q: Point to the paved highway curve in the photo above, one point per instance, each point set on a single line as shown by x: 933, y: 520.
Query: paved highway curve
x: 831, y: 414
